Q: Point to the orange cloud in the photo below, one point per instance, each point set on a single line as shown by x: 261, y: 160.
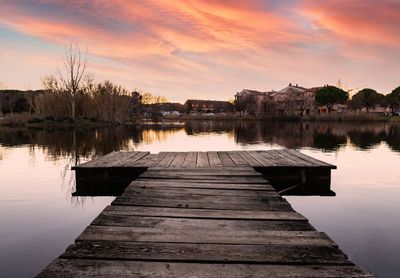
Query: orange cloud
x: 368, y: 22
x: 212, y: 48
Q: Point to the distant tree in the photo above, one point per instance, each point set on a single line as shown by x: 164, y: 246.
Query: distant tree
x: 135, y: 104
x: 331, y: 95
x: 148, y: 98
x: 393, y: 100
x: 366, y: 98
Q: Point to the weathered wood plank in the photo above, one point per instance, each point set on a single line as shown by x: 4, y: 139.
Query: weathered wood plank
x: 145, y: 269
x: 130, y: 161
x: 249, y: 159
x: 214, y: 159
x: 226, y: 160
x: 178, y: 160
x: 184, y: 252
x: 265, y: 162
x: 224, y: 199
x: 121, y: 158
x: 238, y: 160
x: 102, y: 160
x: 276, y: 158
x: 204, y: 236
x: 203, y: 213
x: 296, y: 159
x: 316, y: 162
x: 137, y: 190
x: 206, y: 225
x: 202, y: 160
x: 182, y: 173
x: 166, y: 160
x: 227, y: 180
x: 150, y: 160
x: 207, y: 184
x: 205, y: 203
x: 190, y: 160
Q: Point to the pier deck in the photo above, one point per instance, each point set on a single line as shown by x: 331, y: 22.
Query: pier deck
x: 200, y: 219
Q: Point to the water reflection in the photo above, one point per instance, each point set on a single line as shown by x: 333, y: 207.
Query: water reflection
x: 39, y: 218
x: 84, y: 143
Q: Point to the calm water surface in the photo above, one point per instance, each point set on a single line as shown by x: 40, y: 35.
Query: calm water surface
x: 39, y: 217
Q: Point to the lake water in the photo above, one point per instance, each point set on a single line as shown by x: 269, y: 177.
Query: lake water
x: 39, y: 217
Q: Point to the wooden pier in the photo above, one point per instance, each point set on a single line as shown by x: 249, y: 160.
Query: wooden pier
x: 202, y: 215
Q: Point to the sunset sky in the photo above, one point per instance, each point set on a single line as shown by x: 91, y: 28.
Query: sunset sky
x: 205, y: 48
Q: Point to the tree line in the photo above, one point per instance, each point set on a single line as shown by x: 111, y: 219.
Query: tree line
x: 364, y: 99
x: 73, y: 93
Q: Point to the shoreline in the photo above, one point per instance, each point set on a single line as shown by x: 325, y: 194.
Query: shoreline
x: 35, y: 122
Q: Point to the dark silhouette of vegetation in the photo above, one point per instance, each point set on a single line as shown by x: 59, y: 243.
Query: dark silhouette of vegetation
x: 331, y: 95
x: 393, y: 100
x: 368, y: 99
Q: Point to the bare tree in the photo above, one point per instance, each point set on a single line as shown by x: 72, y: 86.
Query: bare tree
x: 75, y: 67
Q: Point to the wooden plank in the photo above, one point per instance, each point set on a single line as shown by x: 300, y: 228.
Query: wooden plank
x: 130, y: 161
x: 146, y: 269
x: 202, y: 160
x: 249, y: 159
x: 223, y: 178
x: 178, y: 160
x: 186, y: 252
x: 316, y: 162
x: 166, y: 160
x: 102, y: 160
x: 206, y: 169
x: 238, y: 160
x: 226, y: 160
x: 201, y: 225
x: 183, y: 172
x: 297, y: 160
x: 227, y: 180
x: 210, y: 184
x: 188, y: 197
x: 204, y: 236
x: 157, y: 190
x: 203, y: 213
x: 205, y: 203
x: 150, y: 160
x: 265, y: 162
x: 275, y: 158
x: 121, y: 158
x: 214, y: 159
x: 190, y: 160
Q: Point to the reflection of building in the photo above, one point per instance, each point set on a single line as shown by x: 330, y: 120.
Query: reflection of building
x: 207, y: 106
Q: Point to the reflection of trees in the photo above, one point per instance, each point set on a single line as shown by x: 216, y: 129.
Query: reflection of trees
x: 85, y: 143
x: 393, y: 137
x: 197, y: 127
x: 326, y: 136
x: 328, y: 141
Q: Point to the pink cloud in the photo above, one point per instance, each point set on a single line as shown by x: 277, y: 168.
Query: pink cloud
x: 212, y: 48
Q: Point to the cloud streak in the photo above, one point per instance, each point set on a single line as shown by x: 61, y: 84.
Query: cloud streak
x: 210, y: 48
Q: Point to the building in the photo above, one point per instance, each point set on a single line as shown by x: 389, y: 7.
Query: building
x: 251, y: 102
x: 292, y: 100
x: 207, y: 106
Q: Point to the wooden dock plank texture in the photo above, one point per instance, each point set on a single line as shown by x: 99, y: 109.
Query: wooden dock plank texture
x: 200, y: 214
x: 269, y: 158
x: 150, y: 269
x: 173, y: 224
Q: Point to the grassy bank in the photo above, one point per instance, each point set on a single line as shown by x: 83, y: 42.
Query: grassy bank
x: 24, y: 120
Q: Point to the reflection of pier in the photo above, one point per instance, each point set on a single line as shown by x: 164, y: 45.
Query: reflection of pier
x: 203, y: 214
